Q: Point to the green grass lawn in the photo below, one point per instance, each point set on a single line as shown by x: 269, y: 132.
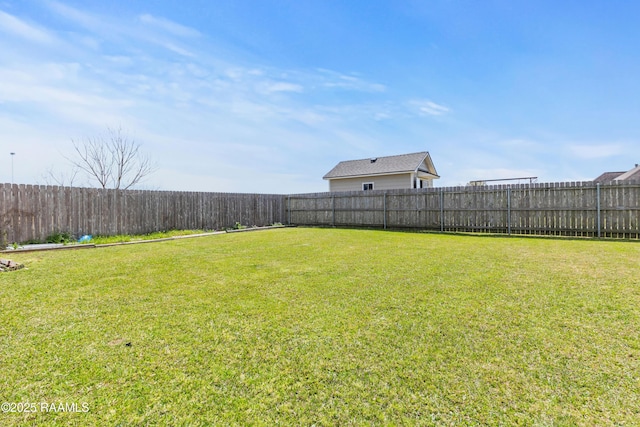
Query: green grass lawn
x: 325, y: 327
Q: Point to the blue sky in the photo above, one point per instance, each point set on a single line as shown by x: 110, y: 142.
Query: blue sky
x: 267, y: 96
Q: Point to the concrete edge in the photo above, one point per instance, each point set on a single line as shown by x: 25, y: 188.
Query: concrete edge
x: 67, y: 247
x: 135, y: 242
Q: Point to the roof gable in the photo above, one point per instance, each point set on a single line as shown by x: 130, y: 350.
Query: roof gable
x: 630, y: 175
x: 403, y: 163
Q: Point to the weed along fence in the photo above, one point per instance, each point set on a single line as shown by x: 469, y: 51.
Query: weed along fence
x: 32, y: 212
x: 567, y: 209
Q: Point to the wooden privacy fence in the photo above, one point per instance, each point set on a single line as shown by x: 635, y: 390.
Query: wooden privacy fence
x: 32, y: 212
x: 568, y: 209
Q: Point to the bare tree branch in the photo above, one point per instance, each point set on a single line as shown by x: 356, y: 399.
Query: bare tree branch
x: 114, y: 161
x: 93, y: 158
x: 60, y: 178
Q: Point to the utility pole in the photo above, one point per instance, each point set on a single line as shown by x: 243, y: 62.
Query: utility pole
x: 12, y: 154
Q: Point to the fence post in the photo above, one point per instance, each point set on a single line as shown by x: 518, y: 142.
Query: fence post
x: 598, y: 209
x: 289, y: 208
x: 333, y: 210
x: 509, y: 211
x: 441, y: 209
x: 384, y: 198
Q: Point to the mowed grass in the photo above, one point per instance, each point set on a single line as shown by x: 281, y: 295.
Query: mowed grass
x: 326, y: 327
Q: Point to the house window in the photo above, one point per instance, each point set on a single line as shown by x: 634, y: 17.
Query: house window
x: 367, y: 186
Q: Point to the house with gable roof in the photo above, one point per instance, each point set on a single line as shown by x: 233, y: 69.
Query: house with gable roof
x: 630, y: 175
x: 414, y: 170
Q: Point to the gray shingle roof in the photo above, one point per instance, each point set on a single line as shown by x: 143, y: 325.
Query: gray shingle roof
x: 381, y: 165
x: 608, y: 176
x: 631, y: 175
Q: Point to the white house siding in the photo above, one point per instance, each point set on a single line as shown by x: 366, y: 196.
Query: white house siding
x: 386, y: 182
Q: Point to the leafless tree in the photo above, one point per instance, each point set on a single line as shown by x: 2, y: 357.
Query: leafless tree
x: 63, y: 179
x: 114, y: 160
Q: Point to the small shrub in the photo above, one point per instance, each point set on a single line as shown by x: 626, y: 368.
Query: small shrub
x: 59, y: 237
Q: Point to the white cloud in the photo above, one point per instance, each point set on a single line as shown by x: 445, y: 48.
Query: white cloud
x: 83, y: 19
x: 353, y: 112
x: 520, y: 144
x: 333, y: 79
x: 119, y: 60
x: 169, y: 26
x: 177, y: 49
x: 113, y: 29
x: 274, y: 87
x: 596, y: 151
x: 12, y: 25
x: 430, y: 108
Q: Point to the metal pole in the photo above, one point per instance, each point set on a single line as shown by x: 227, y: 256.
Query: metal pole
x: 333, y: 208
x: 598, y: 209
x: 509, y: 211
x: 12, y: 154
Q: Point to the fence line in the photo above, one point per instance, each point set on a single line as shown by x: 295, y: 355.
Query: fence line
x: 32, y: 212
x: 566, y: 208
